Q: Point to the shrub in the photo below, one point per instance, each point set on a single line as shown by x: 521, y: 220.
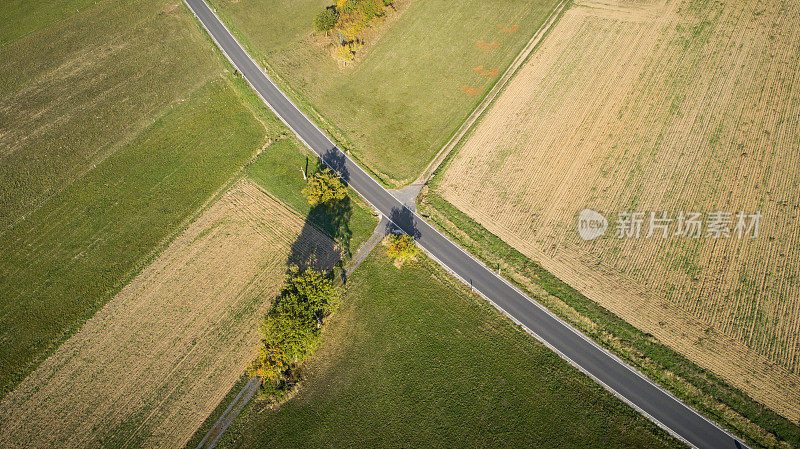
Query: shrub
x: 326, y: 19
x: 401, y: 247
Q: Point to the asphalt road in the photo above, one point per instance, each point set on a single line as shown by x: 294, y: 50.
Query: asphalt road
x: 606, y: 369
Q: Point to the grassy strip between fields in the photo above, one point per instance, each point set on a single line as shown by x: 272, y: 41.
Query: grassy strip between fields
x: 64, y: 262
x: 759, y: 425
x: 414, y: 360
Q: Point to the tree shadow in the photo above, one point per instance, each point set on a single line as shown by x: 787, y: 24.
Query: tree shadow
x: 401, y: 219
x: 337, y: 161
x: 313, y: 249
x: 309, y: 250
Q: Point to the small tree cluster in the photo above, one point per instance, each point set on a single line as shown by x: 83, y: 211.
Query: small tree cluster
x: 290, y: 330
x: 348, y: 19
x: 401, y: 247
x: 324, y: 188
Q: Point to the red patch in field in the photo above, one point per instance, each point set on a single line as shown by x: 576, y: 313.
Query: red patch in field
x: 471, y: 90
x: 486, y: 45
x: 513, y: 29
x: 480, y: 71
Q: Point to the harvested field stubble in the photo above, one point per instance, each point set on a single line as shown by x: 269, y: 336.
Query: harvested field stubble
x: 659, y: 106
x: 150, y: 366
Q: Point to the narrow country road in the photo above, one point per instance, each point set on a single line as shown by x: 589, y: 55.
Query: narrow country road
x: 605, y: 368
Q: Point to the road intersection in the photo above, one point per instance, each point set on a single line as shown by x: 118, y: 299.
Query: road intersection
x: 605, y: 368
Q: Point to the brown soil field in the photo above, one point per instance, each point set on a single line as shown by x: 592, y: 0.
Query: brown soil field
x: 148, y: 368
x: 640, y: 106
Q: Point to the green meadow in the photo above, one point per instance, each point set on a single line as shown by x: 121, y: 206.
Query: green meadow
x: 413, y: 360
x: 413, y: 86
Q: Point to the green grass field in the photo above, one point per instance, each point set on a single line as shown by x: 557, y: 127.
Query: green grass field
x: 412, y: 361
x: 398, y: 106
x: 77, y: 89
x: 68, y: 258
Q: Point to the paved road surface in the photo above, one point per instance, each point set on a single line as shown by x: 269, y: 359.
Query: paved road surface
x: 599, y: 364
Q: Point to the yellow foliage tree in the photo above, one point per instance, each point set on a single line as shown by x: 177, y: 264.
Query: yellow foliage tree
x: 324, y: 188
x: 401, y: 246
x: 269, y: 365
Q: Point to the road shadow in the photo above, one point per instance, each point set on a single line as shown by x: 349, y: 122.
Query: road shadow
x: 401, y: 219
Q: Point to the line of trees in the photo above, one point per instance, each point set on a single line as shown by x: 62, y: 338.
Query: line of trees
x: 290, y: 330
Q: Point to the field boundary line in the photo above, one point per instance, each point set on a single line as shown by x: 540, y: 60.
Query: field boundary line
x: 492, y: 95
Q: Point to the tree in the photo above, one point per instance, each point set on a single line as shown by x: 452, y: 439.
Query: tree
x: 401, y: 247
x: 326, y: 19
x: 269, y: 365
x: 290, y: 330
x: 324, y: 189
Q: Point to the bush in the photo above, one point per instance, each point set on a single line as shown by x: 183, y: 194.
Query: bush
x: 326, y: 19
x: 401, y: 247
x: 349, y: 18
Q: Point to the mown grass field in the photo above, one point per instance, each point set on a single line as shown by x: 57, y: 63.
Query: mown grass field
x: 412, y: 361
x: 77, y: 89
x: 400, y: 103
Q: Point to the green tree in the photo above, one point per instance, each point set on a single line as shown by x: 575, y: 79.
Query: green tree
x: 324, y: 189
x: 290, y: 330
x: 326, y: 19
